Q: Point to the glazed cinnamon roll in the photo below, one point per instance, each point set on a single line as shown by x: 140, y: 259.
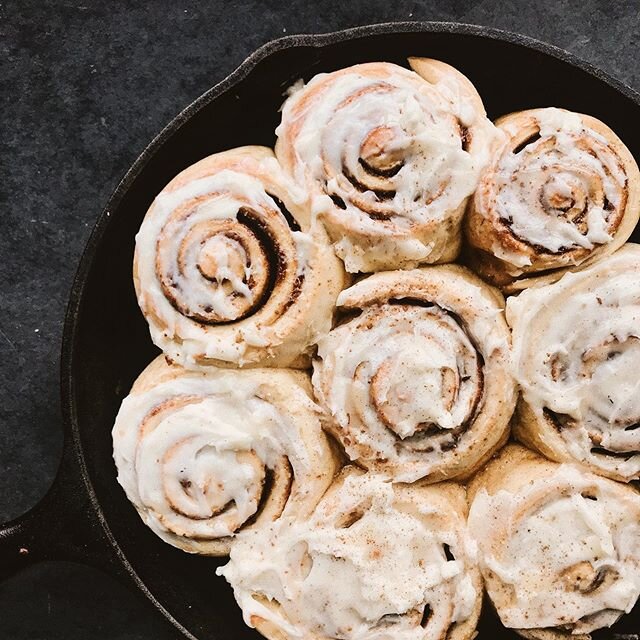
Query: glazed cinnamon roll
x: 390, y: 156
x: 576, y: 348
x: 562, y: 192
x: 375, y: 561
x: 418, y: 382
x: 228, y: 270
x: 558, y: 547
x: 203, y: 456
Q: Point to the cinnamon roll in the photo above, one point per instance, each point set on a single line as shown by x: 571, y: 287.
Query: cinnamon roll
x: 560, y: 193
x: 228, y: 269
x: 576, y: 347
x: 559, y: 548
x: 418, y: 382
x: 375, y: 561
x: 390, y: 156
x: 203, y: 456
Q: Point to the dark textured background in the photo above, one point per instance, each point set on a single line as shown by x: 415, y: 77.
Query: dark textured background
x: 83, y: 87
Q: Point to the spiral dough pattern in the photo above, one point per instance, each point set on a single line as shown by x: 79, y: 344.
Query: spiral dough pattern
x: 576, y: 352
x: 558, y: 546
x: 391, y: 156
x: 205, y: 456
x: 399, y: 552
x: 561, y: 193
x: 418, y: 383
x: 228, y: 270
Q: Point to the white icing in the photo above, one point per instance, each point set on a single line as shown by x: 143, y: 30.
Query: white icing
x: 536, y: 546
x: 191, y: 446
x: 415, y: 125
x: 368, y: 581
x: 304, y: 247
x: 402, y: 380
x: 186, y: 231
x: 416, y: 351
x: 586, y: 328
x: 530, y: 188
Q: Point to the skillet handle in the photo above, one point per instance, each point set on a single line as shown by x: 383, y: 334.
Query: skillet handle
x: 64, y: 525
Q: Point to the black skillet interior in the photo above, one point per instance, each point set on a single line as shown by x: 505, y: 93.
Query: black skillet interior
x: 109, y: 343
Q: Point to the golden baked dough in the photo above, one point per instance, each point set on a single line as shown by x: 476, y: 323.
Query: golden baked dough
x: 561, y: 193
x: 375, y: 561
x: 558, y: 546
x: 390, y: 156
x: 230, y: 271
x: 203, y: 456
x: 418, y: 382
x: 576, y: 347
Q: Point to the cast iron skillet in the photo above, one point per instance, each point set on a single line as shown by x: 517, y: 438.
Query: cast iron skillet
x: 85, y: 516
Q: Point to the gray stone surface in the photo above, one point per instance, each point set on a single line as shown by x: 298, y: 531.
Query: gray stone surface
x: 84, y: 86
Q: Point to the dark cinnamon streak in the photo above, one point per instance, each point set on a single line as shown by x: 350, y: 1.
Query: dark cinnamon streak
x: 426, y: 616
x: 295, y: 293
x: 450, y: 437
x: 465, y: 136
x: 380, y: 173
x: 381, y: 194
x: 267, y: 487
x: 291, y: 221
x: 561, y: 421
x: 525, y: 143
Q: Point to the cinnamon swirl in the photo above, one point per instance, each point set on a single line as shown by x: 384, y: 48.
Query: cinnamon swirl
x: 561, y: 193
x: 390, y: 156
x: 228, y: 269
x: 375, y: 561
x: 559, y: 548
x: 203, y: 456
x: 418, y: 382
x: 576, y: 346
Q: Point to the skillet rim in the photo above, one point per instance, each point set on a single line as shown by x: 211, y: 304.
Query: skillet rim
x: 71, y: 429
